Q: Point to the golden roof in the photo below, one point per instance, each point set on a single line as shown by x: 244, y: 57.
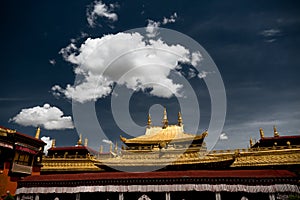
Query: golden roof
x: 171, y: 133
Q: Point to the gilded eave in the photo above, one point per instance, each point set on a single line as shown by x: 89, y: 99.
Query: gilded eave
x: 68, y: 165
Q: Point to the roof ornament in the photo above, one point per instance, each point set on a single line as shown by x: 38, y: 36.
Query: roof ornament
x: 179, y: 119
x: 37, y: 133
x: 261, y: 132
x: 149, y: 122
x: 116, y: 148
x: 110, y: 147
x: 53, y: 143
x: 276, y: 134
x: 79, y: 140
x: 165, y: 121
x: 251, y: 142
x: 86, y: 142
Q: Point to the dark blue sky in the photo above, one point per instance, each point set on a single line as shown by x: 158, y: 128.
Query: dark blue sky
x: 255, y: 45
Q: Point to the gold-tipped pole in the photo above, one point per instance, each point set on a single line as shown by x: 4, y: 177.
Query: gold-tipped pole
x: 179, y: 119
x: 79, y: 142
x: 165, y: 121
x: 251, y: 142
x: 110, y: 147
x: 86, y: 142
x: 37, y: 133
x: 261, y: 132
x: 53, y: 143
x: 116, y: 147
x: 149, y: 121
x: 276, y: 134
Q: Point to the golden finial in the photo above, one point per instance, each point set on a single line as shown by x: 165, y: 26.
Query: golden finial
x: 288, y: 143
x: 149, y: 122
x: 53, y: 142
x: 276, y: 134
x: 101, y: 149
x: 116, y: 147
x: 251, y: 142
x: 86, y: 142
x: 179, y: 119
x: 80, y: 140
x: 110, y: 147
x: 165, y: 121
x: 261, y: 132
x: 37, y: 133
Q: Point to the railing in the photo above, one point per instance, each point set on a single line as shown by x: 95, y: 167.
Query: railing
x: 258, y: 149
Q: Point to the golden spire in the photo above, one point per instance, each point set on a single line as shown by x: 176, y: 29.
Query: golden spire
x: 251, y: 142
x: 179, y: 119
x: 149, y: 122
x: 116, y: 147
x: 165, y: 121
x: 276, y: 134
x: 80, y: 140
x: 53, y: 142
x: 101, y: 149
x: 262, y: 135
x: 86, y: 142
x: 110, y: 147
x: 37, y: 133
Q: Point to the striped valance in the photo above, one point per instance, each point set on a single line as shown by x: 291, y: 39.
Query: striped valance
x: 163, y: 188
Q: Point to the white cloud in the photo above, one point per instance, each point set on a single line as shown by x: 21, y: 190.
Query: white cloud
x: 48, y: 142
x: 47, y: 117
x: 191, y: 73
x: 52, y: 62
x: 270, y: 35
x: 203, y: 74
x: 100, y: 9
x: 270, y: 32
x: 271, y: 40
x: 128, y: 59
x: 153, y: 26
x: 196, y: 58
x: 107, y: 141
x: 223, y: 136
x: 172, y: 19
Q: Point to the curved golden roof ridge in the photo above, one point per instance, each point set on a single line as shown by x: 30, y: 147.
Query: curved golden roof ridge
x: 170, y: 133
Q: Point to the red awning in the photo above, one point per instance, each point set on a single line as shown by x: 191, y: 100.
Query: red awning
x: 20, y: 148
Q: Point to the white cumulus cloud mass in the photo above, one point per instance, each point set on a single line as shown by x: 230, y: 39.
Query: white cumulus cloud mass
x: 47, y: 117
x: 48, y: 142
x: 100, y: 9
x: 128, y: 59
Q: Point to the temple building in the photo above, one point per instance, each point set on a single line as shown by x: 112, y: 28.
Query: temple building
x: 166, y: 147
x: 20, y: 156
x: 271, y: 152
x: 170, y: 164
x: 71, y: 159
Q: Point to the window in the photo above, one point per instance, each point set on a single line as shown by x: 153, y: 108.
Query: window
x: 23, y: 158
